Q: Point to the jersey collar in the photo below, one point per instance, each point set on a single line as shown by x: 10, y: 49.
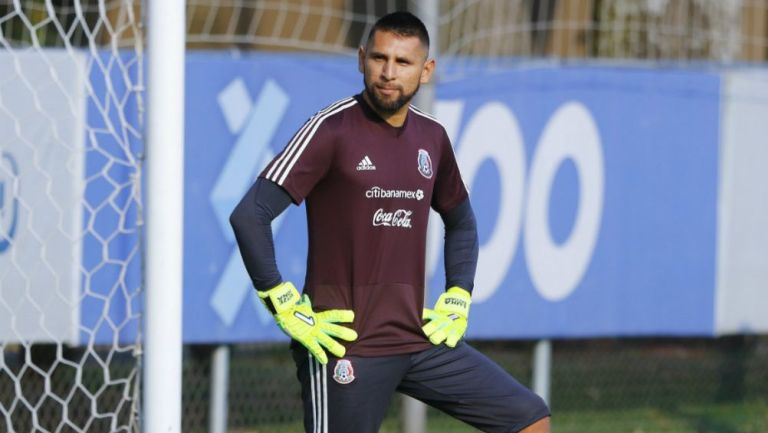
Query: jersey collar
x: 380, y: 123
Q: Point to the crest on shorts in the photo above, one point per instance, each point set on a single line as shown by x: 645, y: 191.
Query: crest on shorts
x: 343, y: 373
x: 425, y: 164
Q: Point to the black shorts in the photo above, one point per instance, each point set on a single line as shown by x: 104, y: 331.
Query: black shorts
x: 352, y: 394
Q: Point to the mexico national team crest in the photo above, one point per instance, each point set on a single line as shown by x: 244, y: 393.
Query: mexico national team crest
x: 343, y: 372
x: 425, y: 164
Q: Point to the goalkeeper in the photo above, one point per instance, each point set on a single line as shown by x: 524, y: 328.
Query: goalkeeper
x: 370, y: 167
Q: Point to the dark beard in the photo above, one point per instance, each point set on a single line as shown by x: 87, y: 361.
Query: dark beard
x: 386, y: 107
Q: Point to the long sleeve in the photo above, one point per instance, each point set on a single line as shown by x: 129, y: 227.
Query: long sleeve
x: 461, y: 246
x: 251, y: 221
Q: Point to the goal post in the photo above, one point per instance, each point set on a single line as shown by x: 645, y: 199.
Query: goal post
x: 165, y: 222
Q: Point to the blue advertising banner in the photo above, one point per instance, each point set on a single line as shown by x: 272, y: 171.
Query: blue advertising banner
x: 596, y: 197
x: 595, y: 191
x: 240, y: 113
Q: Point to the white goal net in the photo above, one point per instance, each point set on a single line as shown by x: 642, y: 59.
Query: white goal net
x: 70, y: 213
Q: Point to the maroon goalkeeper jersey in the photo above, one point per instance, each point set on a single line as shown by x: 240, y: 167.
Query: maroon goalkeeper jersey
x: 369, y: 187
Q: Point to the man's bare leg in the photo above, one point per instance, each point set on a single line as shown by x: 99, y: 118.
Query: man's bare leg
x: 540, y: 426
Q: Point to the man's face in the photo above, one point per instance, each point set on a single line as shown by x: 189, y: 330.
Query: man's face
x: 393, y: 68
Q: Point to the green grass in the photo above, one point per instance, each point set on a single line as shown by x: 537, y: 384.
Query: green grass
x: 731, y: 418
x: 750, y: 417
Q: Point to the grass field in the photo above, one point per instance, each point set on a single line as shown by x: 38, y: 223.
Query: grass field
x: 743, y: 418
x: 749, y: 417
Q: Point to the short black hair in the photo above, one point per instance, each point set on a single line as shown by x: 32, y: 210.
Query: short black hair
x: 402, y: 24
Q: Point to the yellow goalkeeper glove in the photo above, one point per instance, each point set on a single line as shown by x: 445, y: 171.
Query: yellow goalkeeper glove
x: 448, y: 320
x: 313, y: 330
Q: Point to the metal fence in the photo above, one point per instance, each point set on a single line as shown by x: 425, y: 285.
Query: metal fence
x: 619, y: 382
x: 616, y: 385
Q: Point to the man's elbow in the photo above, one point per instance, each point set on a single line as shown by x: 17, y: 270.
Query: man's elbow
x: 237, y: 218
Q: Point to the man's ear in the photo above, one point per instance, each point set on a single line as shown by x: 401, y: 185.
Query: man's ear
x: 361, y: 59
x: 426, y: 73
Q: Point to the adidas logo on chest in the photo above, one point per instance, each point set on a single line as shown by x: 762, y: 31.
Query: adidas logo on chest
x: 365, y: 164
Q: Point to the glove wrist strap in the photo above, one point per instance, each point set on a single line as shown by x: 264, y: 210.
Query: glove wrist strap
x: 281, y: 298
x: 456, y: 300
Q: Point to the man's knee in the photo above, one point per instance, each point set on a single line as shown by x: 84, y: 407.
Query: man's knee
x: 540, y: 426
x: 538, y: 413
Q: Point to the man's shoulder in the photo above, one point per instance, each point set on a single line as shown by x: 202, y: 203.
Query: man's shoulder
x: 426, y: 119
x: 336, y: 109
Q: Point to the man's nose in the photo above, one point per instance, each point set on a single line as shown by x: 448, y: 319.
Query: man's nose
x: 389, y: 71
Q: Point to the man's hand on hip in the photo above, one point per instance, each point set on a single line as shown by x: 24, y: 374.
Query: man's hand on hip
x: 447, y: 322
x: 294, y: 314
